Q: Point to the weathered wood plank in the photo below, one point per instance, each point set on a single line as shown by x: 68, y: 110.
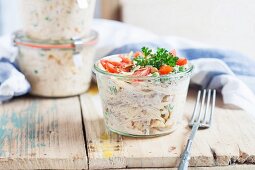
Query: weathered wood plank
x: 38, y: 133
x: 230, y: 140
x: 104, y: 148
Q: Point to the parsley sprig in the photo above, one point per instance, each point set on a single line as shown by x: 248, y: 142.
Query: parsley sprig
x: 146, y: 51
x: 161, y: 57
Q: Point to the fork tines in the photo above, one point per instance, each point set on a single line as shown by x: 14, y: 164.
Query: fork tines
x: 204, y: 108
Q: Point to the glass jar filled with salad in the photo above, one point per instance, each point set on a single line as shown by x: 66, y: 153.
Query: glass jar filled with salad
x: 56, y: 68
x: 143, y: 93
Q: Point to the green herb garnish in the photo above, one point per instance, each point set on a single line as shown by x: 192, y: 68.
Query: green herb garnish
x: 161, y: 57
x: 47, y: 18
x: 113, y: 90
x: 146, y: 51
x: 181, y: 69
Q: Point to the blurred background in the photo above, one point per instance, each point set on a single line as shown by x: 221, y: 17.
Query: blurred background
x: 222, y: 23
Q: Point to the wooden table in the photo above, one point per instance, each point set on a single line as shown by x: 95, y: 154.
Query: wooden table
x: 69, y: 133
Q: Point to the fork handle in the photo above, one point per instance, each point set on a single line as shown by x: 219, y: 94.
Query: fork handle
x: 186, y: 154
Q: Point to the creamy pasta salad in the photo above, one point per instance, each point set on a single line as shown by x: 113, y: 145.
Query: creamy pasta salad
x: 143, y: 93
x: 56, y: 19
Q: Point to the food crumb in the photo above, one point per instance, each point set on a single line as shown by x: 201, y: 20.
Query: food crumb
x: 172, y: 148
x: 50, y: 57
x: 47, y: 19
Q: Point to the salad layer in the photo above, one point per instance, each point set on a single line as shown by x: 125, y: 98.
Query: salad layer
x: 145, y: 63
x: 143, y: 107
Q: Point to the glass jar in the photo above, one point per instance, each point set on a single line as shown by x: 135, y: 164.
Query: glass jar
x: 142, y: 106
x: 56, y: 19
x: 56, y: 68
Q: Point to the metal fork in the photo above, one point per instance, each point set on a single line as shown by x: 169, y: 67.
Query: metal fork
x: 201, y: 119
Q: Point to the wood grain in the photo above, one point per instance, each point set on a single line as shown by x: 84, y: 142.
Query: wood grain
x: 105, y: 149
x: 42, y: 134
x: 110, y: 9
x: 230, y: 140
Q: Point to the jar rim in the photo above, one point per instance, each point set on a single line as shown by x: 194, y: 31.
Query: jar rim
x: 21, y: 39
x: 187, y: 72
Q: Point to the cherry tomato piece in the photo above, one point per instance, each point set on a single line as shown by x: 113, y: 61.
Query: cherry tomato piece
x: 111, y: 68
x: 125, y: 59
x: 115, y: 63
x: 181, y: 61
x: 103, y: 63
x: 165, y: 69
x: 137, y: 54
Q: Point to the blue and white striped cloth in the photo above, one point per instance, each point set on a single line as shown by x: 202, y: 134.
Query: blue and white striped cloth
x: 12, y: 81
